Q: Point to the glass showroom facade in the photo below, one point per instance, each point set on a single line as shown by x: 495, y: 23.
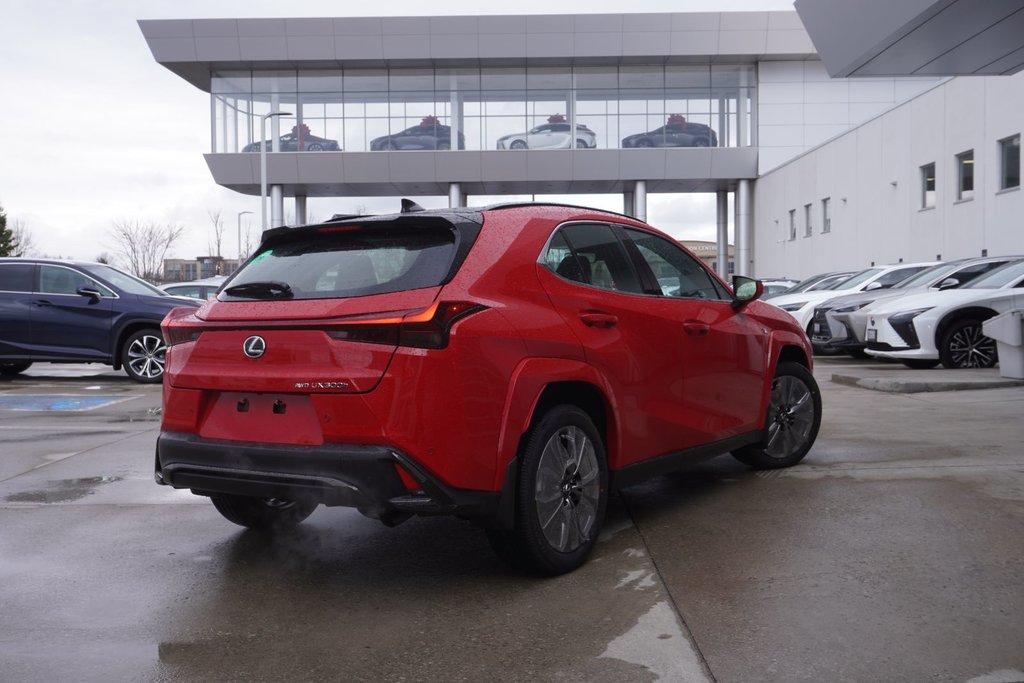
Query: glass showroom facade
x: 610, y: 107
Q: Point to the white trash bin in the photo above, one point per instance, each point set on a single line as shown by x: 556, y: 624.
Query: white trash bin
x: 1008, y: 331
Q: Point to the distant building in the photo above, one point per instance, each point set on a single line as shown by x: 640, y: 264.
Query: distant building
x: 184, y: 270
x: 708, y: 253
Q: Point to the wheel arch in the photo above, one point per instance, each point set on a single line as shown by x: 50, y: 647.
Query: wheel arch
x: 981, y: 313
x: 540, y: 383
x: 128, y: 330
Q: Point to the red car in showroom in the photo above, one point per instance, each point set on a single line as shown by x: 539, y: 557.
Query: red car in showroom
x: 511, y: 365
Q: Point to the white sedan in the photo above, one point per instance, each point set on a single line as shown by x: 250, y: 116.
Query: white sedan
x: 801, y: 306
x: 923, y: 330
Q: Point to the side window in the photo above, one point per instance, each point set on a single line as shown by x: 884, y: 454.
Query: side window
x: 192, y: 291
x: 60, y: 280
x: 678, y: 273
x: 595, y: 255
x: 897, y: 276
x: 16, y: 277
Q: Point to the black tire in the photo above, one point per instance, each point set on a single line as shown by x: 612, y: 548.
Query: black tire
x: 964, y: 346
x: 578, y: 486
x: 582, y: 144
x: 444, y: 145
x: 517, y: 144
x: 390, y: 146
x: 142, y: 356
x: 919, y: 364
x: 263, y: 514
x: 644, y: 142
x: 702, y: 142
x: 13, y: 368
x: 314, y: 147
x: 792, y: 422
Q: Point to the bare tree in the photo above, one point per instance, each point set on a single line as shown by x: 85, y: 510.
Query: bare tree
x: 217, y: 238
x: 24, y: 242
x: 145, y: 244
x: 105, y: 257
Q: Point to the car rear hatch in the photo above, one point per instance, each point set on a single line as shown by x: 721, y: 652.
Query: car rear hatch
x: 321, y: 309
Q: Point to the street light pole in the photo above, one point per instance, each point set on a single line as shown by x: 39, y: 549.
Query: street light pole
x: 263, y: 164
x: 240, y: 214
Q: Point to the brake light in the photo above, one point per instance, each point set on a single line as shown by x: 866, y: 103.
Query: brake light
x: 176, y: 329
x: 426, y: 330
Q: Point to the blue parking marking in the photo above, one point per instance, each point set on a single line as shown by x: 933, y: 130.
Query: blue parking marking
x: 57, y: 402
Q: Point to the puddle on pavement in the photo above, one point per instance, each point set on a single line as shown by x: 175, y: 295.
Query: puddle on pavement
x: 62, y: 490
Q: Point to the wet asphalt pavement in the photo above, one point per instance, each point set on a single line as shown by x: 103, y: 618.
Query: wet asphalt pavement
x: 895, y: 552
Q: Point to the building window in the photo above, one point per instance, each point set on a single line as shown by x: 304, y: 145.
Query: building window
x: 1009, y: 162
x: 808, y: 227
x: 826, y: 214
x: 928, y: 186
x: 792, y: 224
x: 965, y: 175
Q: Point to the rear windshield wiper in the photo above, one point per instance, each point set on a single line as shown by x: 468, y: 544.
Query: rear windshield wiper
x: 261, y: 290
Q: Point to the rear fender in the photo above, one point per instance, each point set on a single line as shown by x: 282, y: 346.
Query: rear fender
x: 527, y: 385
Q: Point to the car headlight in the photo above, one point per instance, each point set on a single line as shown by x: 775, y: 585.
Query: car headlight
x: 789, y: 308
x: 850, y: 308
x: 906, y: 316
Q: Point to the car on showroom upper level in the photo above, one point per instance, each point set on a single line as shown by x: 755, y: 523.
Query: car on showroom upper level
x: 200, y: 290
x: 511, y: 365
x: 801, y: 305
x: 677, y: 132
x: 840, y: 323
x: 57, y: 311
x: 430, y: 133
x: 551, y: 135
x: 298, y: 141
x: 922, y: 330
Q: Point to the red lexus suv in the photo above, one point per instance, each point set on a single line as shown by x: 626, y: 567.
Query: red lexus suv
x: 511, y: 365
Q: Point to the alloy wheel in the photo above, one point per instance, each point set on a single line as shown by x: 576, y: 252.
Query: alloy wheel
x: 791, y: 417
x: 567, y: 489
x: 969, y: 348
x: 146, y: 356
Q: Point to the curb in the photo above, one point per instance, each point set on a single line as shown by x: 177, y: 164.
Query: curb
x: 901, y: 386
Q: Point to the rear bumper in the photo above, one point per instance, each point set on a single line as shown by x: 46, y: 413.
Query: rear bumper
x: 359, y: 476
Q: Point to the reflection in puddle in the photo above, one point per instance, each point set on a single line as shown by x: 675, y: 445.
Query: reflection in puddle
x: 62, y: 490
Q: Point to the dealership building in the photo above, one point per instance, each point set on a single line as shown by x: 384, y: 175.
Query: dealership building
x: 811, y: 172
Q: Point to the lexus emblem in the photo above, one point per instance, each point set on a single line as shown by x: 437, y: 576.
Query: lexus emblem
x: 254, y: 347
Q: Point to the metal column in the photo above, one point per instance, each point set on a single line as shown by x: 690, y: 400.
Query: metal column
x: 300, y: 209
x: 455, y: 197
x: 640, y: 200
x: 744, y: 227
x: 627, y: 203
x: 722, y: 238
x: 276, y: 206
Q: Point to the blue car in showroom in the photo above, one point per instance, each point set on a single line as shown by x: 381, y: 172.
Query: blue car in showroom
x: 76, y: 312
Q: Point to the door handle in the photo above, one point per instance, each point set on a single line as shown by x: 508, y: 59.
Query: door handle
x: 695, y: 328
x: 42, y: 302
x: 599, y: 320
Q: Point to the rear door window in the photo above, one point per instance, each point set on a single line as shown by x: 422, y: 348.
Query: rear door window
x: 16, y: 277
x: 594, y: 255
x: 353, y: 261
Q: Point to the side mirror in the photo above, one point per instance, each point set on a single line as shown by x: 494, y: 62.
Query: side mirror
x: 745, y: 290
x: 949, y: 283
x: 93, y: 294
x: 873, y: 286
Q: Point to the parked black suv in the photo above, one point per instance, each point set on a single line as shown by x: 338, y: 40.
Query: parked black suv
x: 73, y: 312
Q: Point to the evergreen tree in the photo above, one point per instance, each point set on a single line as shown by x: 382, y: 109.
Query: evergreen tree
x: 7, y: 244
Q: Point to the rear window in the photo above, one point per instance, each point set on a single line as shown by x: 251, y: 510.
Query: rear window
x: 353, y: 262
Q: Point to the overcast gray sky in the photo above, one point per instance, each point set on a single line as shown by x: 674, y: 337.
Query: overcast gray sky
x: 92, y: 129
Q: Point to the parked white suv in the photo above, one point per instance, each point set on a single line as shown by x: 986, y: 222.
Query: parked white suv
x: 925, y: 329
x: 550, y: 136
x: 801, y: 305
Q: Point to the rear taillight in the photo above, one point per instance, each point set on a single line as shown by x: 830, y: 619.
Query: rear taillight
x: 178, y: 327
x: 426, y: 330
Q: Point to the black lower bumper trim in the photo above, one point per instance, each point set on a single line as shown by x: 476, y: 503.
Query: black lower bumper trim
x: 359, y: 476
